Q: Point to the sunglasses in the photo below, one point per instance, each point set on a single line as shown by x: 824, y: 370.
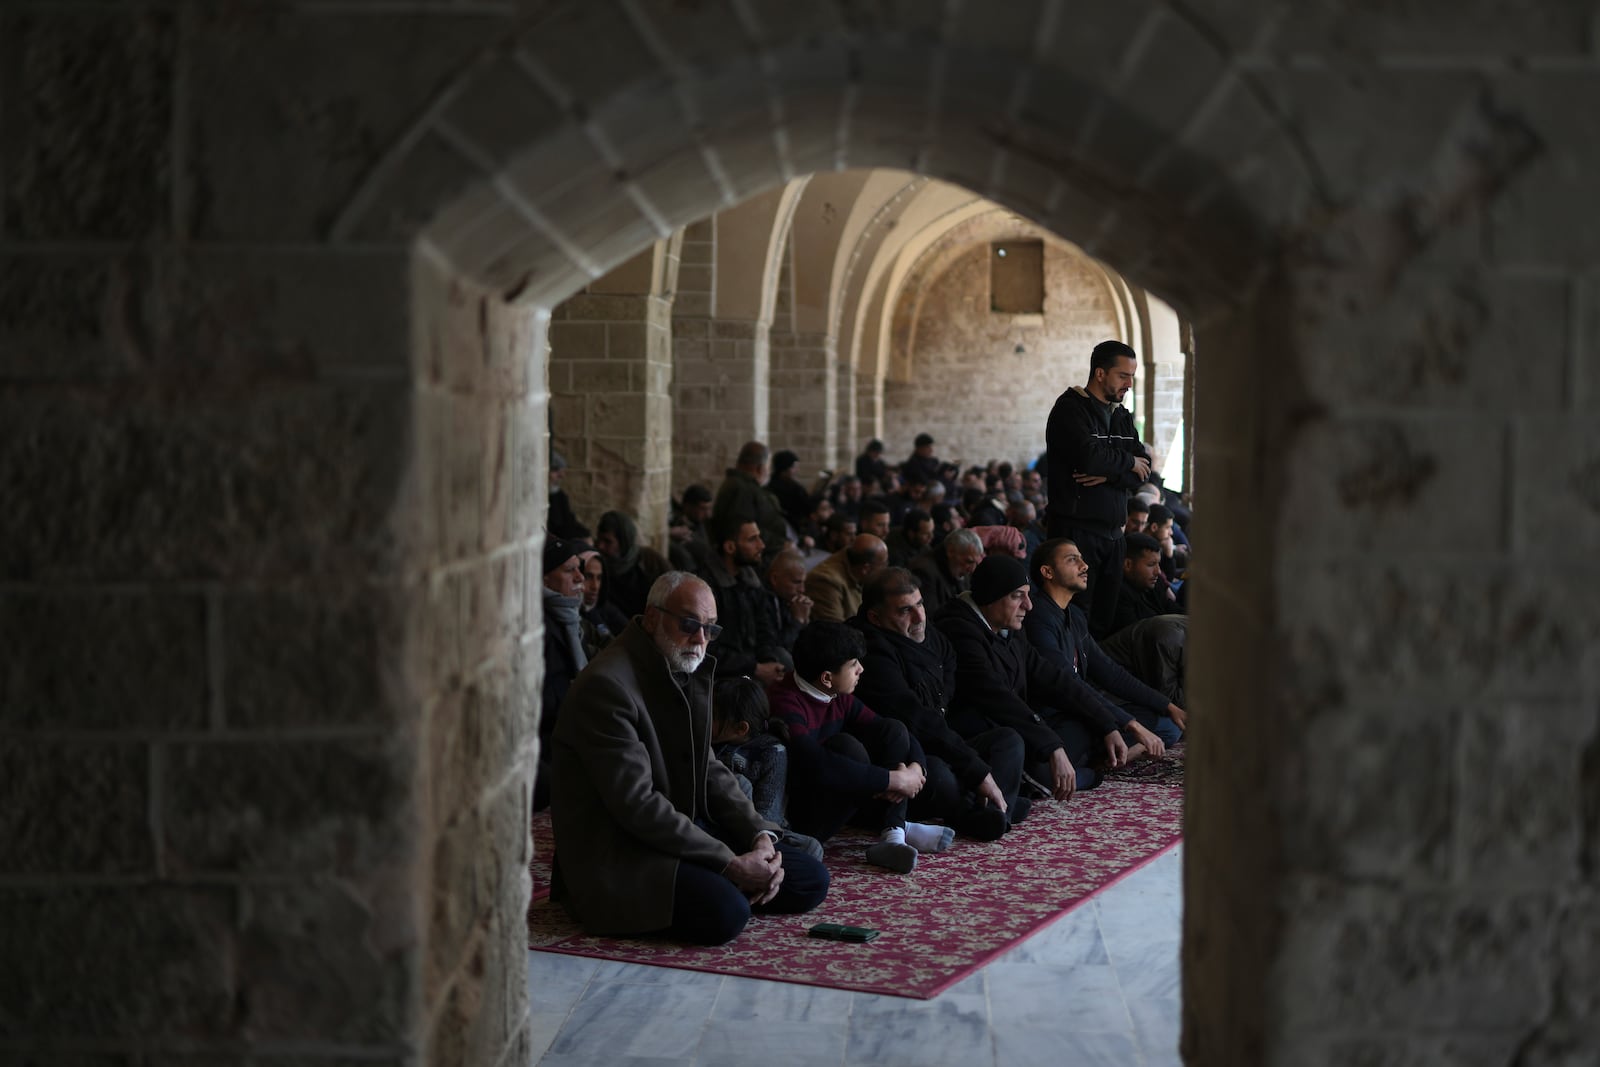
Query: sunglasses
x: 689, y: 625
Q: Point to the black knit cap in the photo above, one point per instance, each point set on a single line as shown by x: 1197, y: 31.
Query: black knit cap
x: 557, y: 552
x: 997, y: 576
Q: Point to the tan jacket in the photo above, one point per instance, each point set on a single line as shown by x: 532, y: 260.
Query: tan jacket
x: 633, y: 770
x: 834, y: 592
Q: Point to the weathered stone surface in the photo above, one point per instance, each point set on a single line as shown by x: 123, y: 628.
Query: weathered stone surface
x: 1373, y: 482
x: 102, y: 660
x: 314, y: 657
x: 472, y: 745
x: 1444, y: 332
x: 1442, y: 958
x: 125, y: 962
x: 1557, y: 481
x: 1480, y: 1048
x: 1382, y: 810
x: 314, y: 963
x: 1521, y: 801
x: 76, y: 82
x: 285, y: 807
x: 75, y: 807
x: 279, y: 156
x: 199, y: 484
x: 53, y: 318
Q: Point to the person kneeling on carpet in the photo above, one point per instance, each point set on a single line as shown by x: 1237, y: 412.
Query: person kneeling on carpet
x: 653, y: 833
x: 847, y: 761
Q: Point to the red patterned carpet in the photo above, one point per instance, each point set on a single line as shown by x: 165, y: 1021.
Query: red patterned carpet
x: 955, y: 913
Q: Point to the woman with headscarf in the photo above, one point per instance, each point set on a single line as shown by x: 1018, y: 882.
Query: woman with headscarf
x: 631, y: 568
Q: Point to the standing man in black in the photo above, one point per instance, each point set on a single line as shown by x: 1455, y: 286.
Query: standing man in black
x: 1094, y: 459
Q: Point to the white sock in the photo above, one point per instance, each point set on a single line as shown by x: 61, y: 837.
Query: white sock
x: 894, y: 835
x: 925, y: 837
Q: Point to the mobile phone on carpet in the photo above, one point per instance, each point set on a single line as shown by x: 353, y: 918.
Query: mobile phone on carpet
x: 840, y: 932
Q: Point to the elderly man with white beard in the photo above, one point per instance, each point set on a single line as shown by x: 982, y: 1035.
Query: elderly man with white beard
x: 654, y: 834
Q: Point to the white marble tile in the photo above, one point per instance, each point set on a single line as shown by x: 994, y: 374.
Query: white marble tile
x: 556, y: 982
x: 542, y: 1031
x: 636, y: 1019
x: 747, y: 998
x: 1148, y: 972
x: 744, y: 1042
x: 1073, y: 938
x: 1065, y: 1047
x: 950, y: 1037
x: 644, y: 974
x: 1085, y: 998
x: 1158, y: 1024
x: 873, y: 1006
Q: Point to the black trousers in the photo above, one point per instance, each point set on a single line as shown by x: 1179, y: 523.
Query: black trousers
x: 707, y: 909
x: 944, y: 798
x: 1103, y: 551
x: 882, y: 743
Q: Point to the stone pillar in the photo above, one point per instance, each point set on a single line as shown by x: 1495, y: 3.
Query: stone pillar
x: 476, y: 658
x: 869, y: 407
x: 611, y: 395
x: 849, y: 442
x: 805, y: 398
x: 720, y: 370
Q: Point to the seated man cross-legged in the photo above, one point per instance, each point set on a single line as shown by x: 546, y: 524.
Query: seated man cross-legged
x: 846, y: 761
x: 653, y: 833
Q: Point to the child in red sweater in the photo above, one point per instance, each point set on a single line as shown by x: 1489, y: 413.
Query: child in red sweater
x: 845, y: 760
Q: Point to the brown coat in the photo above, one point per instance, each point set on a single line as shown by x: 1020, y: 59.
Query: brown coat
x: 835, y: 594
x: 633, y: 770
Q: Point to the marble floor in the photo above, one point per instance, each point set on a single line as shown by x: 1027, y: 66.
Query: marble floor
x: 1099, y: 986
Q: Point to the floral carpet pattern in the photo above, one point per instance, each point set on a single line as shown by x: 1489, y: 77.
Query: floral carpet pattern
x: 958, y: 910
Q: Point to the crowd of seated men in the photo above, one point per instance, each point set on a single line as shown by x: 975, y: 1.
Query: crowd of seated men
x: 855, y: 651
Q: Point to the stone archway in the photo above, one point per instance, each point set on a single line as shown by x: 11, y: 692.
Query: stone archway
x: 276, y: 443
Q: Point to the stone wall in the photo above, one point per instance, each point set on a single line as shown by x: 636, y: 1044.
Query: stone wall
x: 475, y: 658
x: 611, y: 395
x: 970, y: 387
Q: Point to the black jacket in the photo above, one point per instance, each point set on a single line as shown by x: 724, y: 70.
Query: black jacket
x: 939, y: 586
x: 1001, y: 680
x: 1065, y: 634
x: 744, y: 609
x: 1136, y: 605
x: 913, y: 682
x: 1085, y: 436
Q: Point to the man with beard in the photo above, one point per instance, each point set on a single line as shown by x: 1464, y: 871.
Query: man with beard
x: 656, y: 835
x: 1059, y: 574
x: 910, y: 676
x: 1095, y: 458
x: 749, y: 641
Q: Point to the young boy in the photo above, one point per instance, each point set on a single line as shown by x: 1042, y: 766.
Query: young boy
x: 740, y: 740
x: 847, y: 760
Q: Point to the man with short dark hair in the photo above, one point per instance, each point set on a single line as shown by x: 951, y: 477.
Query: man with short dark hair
x: 873, y: 518
x: 1151, y: 634
x: 688, y: 538
x: 838, y: 531
x: 742, y: 496
x: 1058, y: 626
x: 910, y: 676
x: 1145, y: 594
x: 835, y: 584
x: 1020, y: 515
x: 656, y: 835
x: 913, y: 537
x: 870, y: 466
x: 1094, y: 458
x: 922, y: 465
x: 792, y: 497
x: 944, y: 569
x: 1138, y: 515
x: 749, y: 641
